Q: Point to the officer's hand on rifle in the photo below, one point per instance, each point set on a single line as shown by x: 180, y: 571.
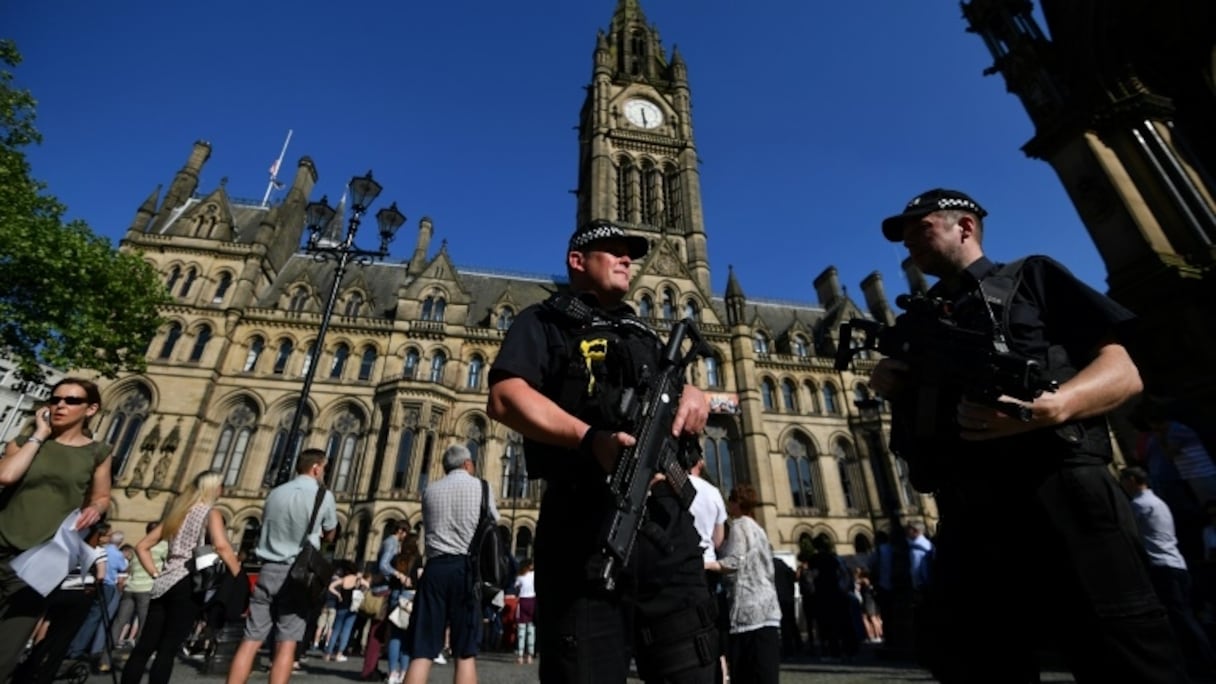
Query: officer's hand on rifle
x: 890, y: 378
x: 979, y: 422
x: 692, y: 413
x: 606, y: 447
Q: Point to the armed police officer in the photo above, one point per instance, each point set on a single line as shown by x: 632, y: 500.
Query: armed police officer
x: 1033, y: 524
x: 566, y: 367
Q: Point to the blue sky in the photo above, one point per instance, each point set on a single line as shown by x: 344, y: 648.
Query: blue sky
x: 814, y: 120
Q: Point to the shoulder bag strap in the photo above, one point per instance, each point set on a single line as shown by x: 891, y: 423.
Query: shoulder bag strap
x: 485, y: 505
x: 312, y: 519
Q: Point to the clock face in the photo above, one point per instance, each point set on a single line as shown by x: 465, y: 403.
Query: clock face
x: 643, y: 113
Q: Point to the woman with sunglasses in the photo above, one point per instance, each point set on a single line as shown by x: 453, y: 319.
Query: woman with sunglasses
x: 45, y: 477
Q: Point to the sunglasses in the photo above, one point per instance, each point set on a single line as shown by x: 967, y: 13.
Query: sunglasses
x: 70, y: 401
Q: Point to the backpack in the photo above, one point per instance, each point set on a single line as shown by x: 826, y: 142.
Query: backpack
x: 491, y: 562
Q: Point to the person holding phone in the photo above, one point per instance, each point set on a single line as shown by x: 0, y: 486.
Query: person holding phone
x: 45, y: 477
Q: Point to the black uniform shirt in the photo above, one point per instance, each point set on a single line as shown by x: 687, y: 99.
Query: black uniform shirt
x: 1049, y: 308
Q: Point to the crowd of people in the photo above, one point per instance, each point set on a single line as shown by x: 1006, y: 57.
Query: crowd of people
x: 702, y: 596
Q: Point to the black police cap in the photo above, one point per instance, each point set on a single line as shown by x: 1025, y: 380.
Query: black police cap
x: 600, y: 229
x: 928, y: 202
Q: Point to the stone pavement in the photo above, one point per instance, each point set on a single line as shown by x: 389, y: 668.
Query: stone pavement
x: 496, y: 668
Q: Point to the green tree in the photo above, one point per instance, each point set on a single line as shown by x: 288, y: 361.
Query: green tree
x: 68, y: 299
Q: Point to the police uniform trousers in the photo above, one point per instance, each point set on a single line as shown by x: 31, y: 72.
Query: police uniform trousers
x: 1051, y: 561
x: 659, y: 613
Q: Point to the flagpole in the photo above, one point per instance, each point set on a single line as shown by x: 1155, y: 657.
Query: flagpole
x: 274, y: 170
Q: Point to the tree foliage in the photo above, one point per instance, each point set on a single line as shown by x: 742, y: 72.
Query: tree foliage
x: 67, y: 298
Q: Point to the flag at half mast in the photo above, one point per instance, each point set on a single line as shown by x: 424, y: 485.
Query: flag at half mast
x: 274, y: 183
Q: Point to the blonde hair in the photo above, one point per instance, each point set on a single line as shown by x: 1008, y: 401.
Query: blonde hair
x: 204, y: 489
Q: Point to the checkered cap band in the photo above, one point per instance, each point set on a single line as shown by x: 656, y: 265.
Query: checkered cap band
x: 949, y: 203
x: 594, y: 232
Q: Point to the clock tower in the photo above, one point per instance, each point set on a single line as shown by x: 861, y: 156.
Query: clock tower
x: 637, y: 159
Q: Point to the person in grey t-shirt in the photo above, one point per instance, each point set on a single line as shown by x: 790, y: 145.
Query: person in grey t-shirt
x: 288, y: 509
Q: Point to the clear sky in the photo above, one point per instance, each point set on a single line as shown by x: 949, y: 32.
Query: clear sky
x: 813, y: 120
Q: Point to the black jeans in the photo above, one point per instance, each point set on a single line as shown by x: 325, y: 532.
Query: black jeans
x: 1057, y: 557
x: 1173, y: 586
x: 171, y: 619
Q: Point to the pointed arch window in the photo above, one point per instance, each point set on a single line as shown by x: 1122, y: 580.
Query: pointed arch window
x: 691, y: 310
x: 719, y: 464
x: 624, y: 189
x: 299, y: 299
x: 813, y: 390
x: 278, y: 449
x: 850, y: 476
x: 312, y: 348
x: 647, y: 194
x: 441, y: 306
x: 760, y: 343
x: 475, y: 441
x: 830, y: 405
x: 768, y: 394
x: 424, y: 468
x: 367, y: 363
x: 344, y: 438
x: 799, y: 465
x: 191, y: 276
x: 256, y: 345
x: 412, y: 359
x: 476, y: 365
x: 799, y: 346
x: 713, y: 376
x: 861, y: 392
x: 171, y: 337
x: 234, y: 440
x: 672, y: 197
x: 669, y: 304
x: 341, y: 354
x: 125, y: 424
x: 405, y: 454
x: 438, y: 362
x: 354, y: 304
x: 789, y: 396
x: 284, y: 355
x: 514, y: 470
x: 221, y: 288
x: 175, y: 274
x: 201, y: 338
x: 645, y: 307
x: 506, y: 316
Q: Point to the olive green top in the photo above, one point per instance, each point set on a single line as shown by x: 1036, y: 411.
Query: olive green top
x: 55, y: 485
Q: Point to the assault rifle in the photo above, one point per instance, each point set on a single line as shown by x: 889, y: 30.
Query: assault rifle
x: 938, y: 350
x: 648, y: 418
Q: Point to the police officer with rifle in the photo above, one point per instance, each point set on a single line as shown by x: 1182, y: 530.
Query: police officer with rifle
x: 608, y: 423
x: 1000, y: 377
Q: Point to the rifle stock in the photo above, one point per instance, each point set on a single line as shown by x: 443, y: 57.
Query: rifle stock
x: 656, y: 451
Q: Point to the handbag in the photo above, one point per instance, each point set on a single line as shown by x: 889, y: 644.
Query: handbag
x: 401, y: 613
x: 311, y: 572
x: 204, y: 565
x: 371, y: 605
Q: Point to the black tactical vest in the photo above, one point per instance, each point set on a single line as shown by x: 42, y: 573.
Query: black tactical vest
x: 600, y: 360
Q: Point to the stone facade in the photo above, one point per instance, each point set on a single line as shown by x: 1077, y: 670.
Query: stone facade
x: 1127, y: 125
x: 403, y: 370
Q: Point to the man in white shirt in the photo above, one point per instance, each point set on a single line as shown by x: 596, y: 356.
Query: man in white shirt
x: 1167, y: 570
x: 708, y: 513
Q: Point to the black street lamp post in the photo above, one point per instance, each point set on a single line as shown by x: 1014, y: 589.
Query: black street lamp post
x: 363, y: 191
